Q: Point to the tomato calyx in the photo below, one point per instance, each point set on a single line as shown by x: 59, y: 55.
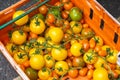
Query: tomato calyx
x: 37, y: 22
x: 48, y: 57
x: 44, y: 69
x: 96, y: 39
x: 21, y: 32
x: 21, y: 55
x: 60, y: 69
x: 13, y: 47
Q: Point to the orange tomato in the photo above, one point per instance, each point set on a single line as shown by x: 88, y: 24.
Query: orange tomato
x: 50, y: 18
x: 33, y: 35
x: 102, y: 53
x: 97, y: 48
x: 68, y: 5
x: 83, y: 71
x: 26, y: 63
x: 92, y: 43
x: 73, y: 73
x: 90, y: 73
x: 43, y: 9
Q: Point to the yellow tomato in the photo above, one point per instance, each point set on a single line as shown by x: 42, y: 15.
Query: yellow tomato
x: 76, y: 27
x: 76, y: 49
x: 19, y: 37
x: 49, y: 61
x: 100, y: 74
x: 100, y: 62
x: 44, y: 73
x: 112, y: 56
x: 37, y: 26
x: 56, y: 34
x: 41, y: 41
x: 59, y: 53
x: 35, y: 51
x: 37, y: 62
x: 98, y: 40
x: 61, y: 67
x: 20, y: 57
x: 90, y: 57
x: 21, y: 21
x: 12, y: 48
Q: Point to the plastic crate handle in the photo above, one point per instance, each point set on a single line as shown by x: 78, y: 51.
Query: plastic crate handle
x: 22, y: 15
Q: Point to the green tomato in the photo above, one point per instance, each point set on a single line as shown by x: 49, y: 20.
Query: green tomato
x: 75, y: 14
x: 31, y: 73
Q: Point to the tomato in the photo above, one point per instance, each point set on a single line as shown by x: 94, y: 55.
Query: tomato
x: 19, y: 37
x: 50, y: 18
x: 90, y: 73
x: 66, y: 26
x: 37, y: 62
x: 92, y: 43
x: 75, y: 14
x: 85, y: 44
x: 64, y: 1
x: 68, y: 5
x: 64, y: 15
x: 33, y: 35
x: 31, y: 73
x: 56, y: 34
x: 78, y: 62
x: 100, y: 62
x: 49, y: 61
x: 35, y: 51
x: 61, y: 67
x: 102, y: 53
x: 37, y: 26
x: 98, y: 40
x: 26, y: 64
x: 90, y: 57
x: 83, y: 71
x: 44, y: 73
x: 76, y: 27
x: 22, y: 20
x: 73, y: 73
x: 11, y: 48
x: 76, y: 49
x: 87, y: 32
x: 100, y: 74
x: 43, y: 9
x: 72, y: 41
x: 41, y: 41
x: 69, y: 62
x: 112, y: 56
x: 20, y: 57
x: 59, y: 53
x: 26, y: 28
x: 54, y: 74
x: 97, y: 48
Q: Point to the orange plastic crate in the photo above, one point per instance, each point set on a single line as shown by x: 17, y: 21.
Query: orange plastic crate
x: 95, y: 15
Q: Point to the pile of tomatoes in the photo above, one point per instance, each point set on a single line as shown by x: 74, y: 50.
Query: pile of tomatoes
x: 57, y: 44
